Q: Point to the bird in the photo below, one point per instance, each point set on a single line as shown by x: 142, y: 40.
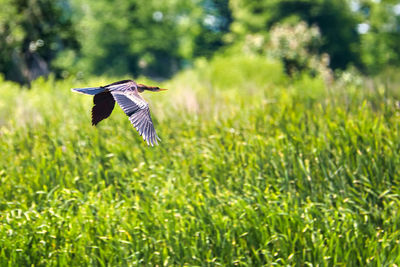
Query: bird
x: 126, y: 94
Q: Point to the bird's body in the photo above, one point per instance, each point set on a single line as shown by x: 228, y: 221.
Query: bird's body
x: 126, y: 94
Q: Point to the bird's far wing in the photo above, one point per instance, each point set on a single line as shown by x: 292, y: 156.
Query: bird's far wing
x: 137, y: 109
x: 103, y: 106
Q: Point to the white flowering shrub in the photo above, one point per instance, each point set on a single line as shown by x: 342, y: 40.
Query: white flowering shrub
x: 297, y: 47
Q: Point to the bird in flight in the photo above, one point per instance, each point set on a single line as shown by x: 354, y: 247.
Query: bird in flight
x: 126, y: 93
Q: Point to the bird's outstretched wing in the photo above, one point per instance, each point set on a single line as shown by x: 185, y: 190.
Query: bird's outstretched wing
x: 137, y: 109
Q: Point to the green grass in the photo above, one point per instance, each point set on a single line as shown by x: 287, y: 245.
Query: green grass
x: 253, y: 169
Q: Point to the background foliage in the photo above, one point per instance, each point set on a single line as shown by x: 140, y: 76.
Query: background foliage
x: 32, y: 34
x: 157, y: 39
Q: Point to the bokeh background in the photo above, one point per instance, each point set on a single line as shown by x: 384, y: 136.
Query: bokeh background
x: 157, y: 39
x: 280, y: 133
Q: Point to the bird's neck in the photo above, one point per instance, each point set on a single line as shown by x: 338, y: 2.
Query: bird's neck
x: 142, y: 87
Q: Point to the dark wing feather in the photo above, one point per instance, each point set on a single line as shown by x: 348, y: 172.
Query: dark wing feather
x: 139, y: 114
x: 103, y: 106
x: 119, y: 83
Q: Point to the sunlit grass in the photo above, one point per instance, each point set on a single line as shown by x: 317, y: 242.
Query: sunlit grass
x: 260, y: 171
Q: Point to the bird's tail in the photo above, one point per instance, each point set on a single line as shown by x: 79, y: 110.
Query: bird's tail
x: 89, y: 90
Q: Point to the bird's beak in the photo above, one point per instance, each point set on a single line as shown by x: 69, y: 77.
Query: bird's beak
x: 160, y: 89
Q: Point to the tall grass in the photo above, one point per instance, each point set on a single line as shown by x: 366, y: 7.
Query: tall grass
x: 253, y: 169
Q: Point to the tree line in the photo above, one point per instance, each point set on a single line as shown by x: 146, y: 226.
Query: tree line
x: 158, y: 38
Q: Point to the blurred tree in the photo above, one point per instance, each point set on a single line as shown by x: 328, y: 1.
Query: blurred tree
x: 380, y: 33
x: 216, y: 20
x: 153, y: 38
x: 120, y: 37
x: 31, y: 35
x: 335, y: 20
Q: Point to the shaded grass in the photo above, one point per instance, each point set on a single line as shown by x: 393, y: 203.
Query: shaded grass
x: 251, y: 173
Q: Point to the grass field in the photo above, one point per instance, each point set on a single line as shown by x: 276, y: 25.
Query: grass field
x: 253, y: 169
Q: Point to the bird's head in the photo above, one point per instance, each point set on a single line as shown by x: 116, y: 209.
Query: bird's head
x: 142, y: 87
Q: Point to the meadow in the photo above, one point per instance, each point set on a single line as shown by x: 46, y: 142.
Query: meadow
x: 253, y: 169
